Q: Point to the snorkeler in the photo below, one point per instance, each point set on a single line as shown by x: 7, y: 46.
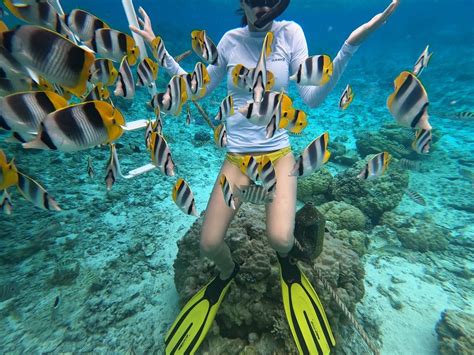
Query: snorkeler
x: 242, y: 46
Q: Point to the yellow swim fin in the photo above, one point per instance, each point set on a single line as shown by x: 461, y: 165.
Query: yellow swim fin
x: 304, y: 311
x: 195, y: 319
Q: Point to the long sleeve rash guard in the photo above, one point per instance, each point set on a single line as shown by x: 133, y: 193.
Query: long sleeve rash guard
x: 289, y: 50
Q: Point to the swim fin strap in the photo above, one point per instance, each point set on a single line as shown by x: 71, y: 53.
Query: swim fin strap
x: 193, y: 322
x: 304, y: 311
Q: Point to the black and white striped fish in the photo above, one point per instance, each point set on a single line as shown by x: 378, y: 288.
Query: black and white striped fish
x: 249, y: 166
x: 226, y: 108
x: 41, y: 13
x: 375, y: 167
x: 297, y: 121
x: 464, y: 115
x: 415, y: 197
x: 23, y: 112
x: 346, y: 97
x: 6, y: 204
x: 90, y: 167
x: 422, y: 62
x: 125, y: 86
x: 259, y: 79
x: 220, y: 135
x: 408, y: 104
x: 161, y: 154
x: 114, y: 45
x: 147, y: 72
x: 314, y: 71
x: 204, y: 47
x: 113, y: 171
x: 409, y: 164
x: 98, y: 93
x: 103, y: 71
x: 78, y: 127
x: 267, y: 174
x: 313, y: 157
x: 256, y: 194
x: 36, y: 194
x: 422, y: 142
x: 184, y: 198
x: 84, y: 24
x: 188, y: 115
x: 49, y: 55
x: 197, y: 81
x: 159, y: 51
x: 227, y: 191
x: 242, y: 78
x: 173, y: 99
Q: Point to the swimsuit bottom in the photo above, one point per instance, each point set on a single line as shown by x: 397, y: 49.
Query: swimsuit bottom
x: 237, y: 158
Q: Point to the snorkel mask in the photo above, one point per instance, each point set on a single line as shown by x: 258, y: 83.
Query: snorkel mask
x: 277, y: 8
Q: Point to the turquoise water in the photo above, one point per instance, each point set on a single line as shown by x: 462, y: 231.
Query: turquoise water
x: 122, y: 243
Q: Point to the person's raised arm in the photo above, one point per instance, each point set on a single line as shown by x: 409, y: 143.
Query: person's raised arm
x: 216, y: 72
x: 313, y: 96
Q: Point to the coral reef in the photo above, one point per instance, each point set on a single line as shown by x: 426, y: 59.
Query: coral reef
x: 455, y: 331
x: 417, y: 234
x: 344, y: 215
x: 315, y: 188
x: 372, y: 197
x: 252, y: 317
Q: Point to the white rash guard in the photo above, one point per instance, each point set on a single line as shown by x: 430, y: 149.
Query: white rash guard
x: 289, y: 50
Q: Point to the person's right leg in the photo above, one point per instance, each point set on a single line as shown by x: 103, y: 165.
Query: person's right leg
x: 217, y: 219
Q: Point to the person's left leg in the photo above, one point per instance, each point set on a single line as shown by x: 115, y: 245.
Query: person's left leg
x: 281, y: 211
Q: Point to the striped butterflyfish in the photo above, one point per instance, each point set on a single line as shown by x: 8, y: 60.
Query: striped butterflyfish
x: 220, y: 135
x: 103, y: 71
x: 376, y: 166
x: 313, y: 157
x: 22, y: 113
x: 226, y: 108
x: 184, y: 198
x: 50, y: 55
x: 227, y: 191
x: 161, y: 154
x: 259, y: 75
x: 197, y: 81
x: 273, y: 104
x: 125, y: 86
x: 297, y: 121
x: 112, y: 172
x: 147, y: 72
x: 415, y: 197
x: 114, y: 45
x: 98, y: 92
x: 188, y: 115
x: 408, y: 103
x: 41, y: 13
x: 8, y: 172
x: 6, y: 204
x: 172, y: 100
x: 249, y: 166
x: 255, y: 194
x: 204, y: 47
x: 267, y: 173
x: 36, y: 194
x: 242, y: 78
x: 346, y: 97
x: 79, y: 127
x: 153, y: 126
x: 422, y: 142
x: 159, y: 51
x: 314, y: 71
x: 84, y: 24
x: 422, y: 62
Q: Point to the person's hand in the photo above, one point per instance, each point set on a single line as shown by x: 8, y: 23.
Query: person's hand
x: 146, y: 31
x: 362, y: 32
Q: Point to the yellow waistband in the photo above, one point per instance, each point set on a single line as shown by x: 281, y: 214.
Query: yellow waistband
x: 236, y: 159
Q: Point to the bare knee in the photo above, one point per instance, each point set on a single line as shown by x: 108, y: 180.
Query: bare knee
x: 210, y: 246
x: 281, y: 240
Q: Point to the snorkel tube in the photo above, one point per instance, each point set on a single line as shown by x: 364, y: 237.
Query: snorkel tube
x: 276, y: 11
